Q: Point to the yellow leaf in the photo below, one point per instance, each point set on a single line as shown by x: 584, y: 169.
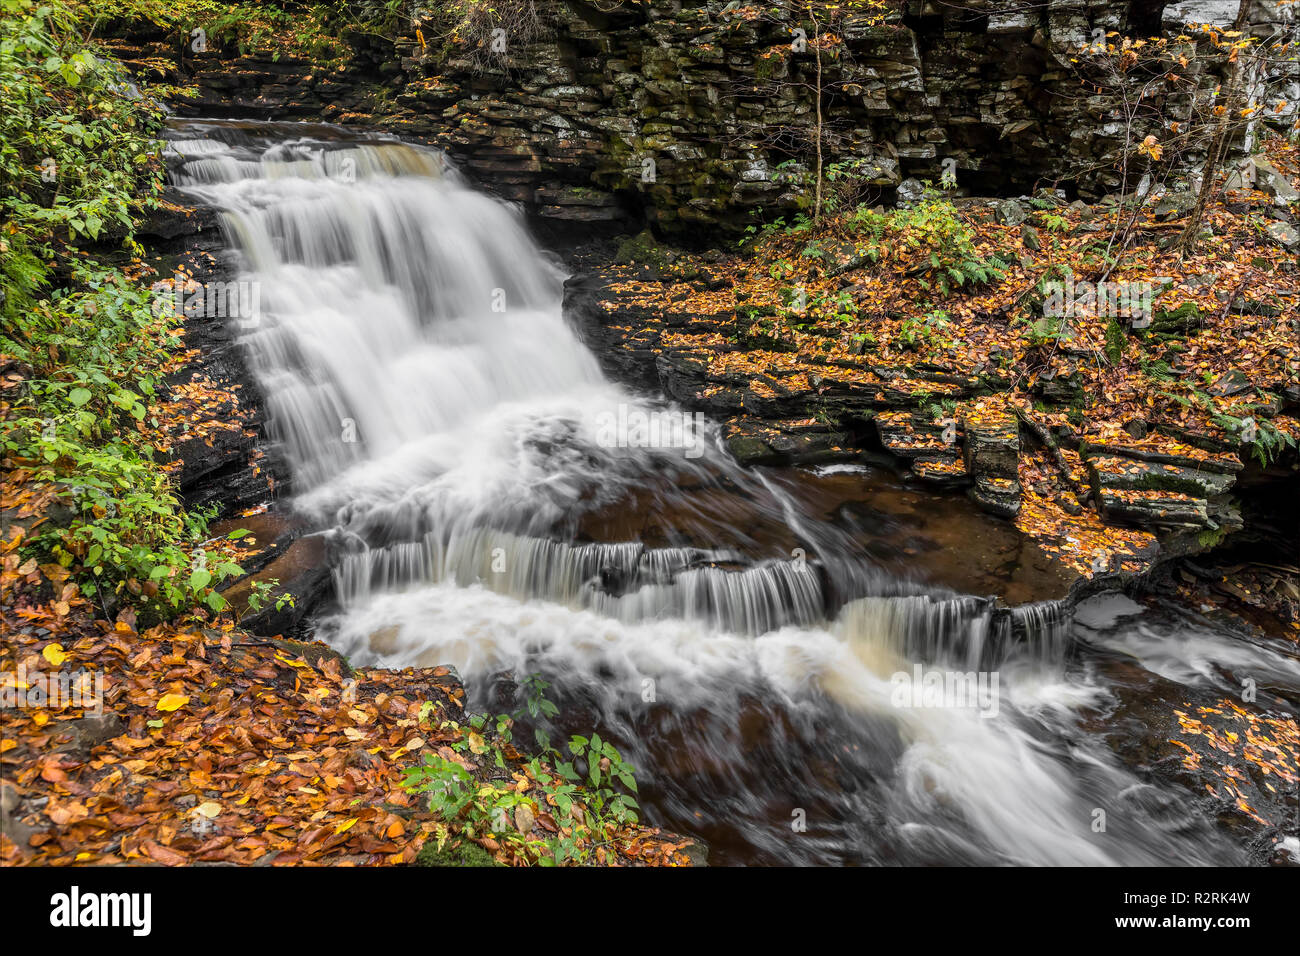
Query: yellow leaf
x: 54, y: 653
x: 344, y: 826
x: 170, y: 702
x: 209, y: 809
x: 477, y: 744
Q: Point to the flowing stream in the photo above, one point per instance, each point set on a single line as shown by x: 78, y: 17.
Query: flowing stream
x: 499, y: 505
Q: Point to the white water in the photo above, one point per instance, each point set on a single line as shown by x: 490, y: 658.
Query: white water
x: 403, y: 310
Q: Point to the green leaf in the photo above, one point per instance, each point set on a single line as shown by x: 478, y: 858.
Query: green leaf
x: 79, y: 396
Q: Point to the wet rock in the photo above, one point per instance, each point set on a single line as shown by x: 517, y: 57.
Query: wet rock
x: 748, y: 450
x: 314, y: 653
x: 89, y: 732
x: 12, y: 810
x: 915, y: 435
x: 802, y: 444
x: 1272, y: 181
x: 1084, y: 211
x: 999, y: 496
x: 992, y: 446
x: 991, y: 449
x: 1061, y: 389
x: 384, y: 640
x: 1245, y: 306
x: 1155, y: 509
x: 1284, y: 234
x: 658, y: 124
x: 910, y: 191
x: 683, y: 374
x: 302, y: 571
x: 1010, y: 212
x: 644, y: 249
x: 1174, y: 205
x: 1135, y: 428
x: 1232, y: 382
x: 175, y: 218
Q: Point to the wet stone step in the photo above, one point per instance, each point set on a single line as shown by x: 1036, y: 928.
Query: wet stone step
x: 999, y: 496
x: 916, y: 435
x: 1110, y: 472
x: 992, y: 445
x: 797, y: 442
x: 1153, y: 450
x: 1156, y: 509
x: 940, y: 471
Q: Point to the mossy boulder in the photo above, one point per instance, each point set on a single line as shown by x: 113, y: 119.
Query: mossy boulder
x: 642, y: 249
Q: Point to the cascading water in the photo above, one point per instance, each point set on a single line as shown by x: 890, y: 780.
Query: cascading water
x: 445, y: 424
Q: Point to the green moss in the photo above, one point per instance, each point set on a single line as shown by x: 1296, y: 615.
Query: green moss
x: 1211, y: 538
x: 1114, y: 342
x: 643, y: 250
x: 455, y: 853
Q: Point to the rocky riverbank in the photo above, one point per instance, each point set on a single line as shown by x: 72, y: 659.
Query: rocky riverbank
x: 1097, y: 457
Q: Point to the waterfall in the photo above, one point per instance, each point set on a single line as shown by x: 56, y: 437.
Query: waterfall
x: 443, y: 421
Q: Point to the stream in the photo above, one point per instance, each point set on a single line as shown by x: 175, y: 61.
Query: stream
x: 802, y: 665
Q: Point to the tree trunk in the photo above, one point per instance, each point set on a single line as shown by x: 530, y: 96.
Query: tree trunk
x: 1219, y: 146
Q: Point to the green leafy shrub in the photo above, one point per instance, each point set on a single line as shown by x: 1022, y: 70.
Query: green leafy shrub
x: 939, y: 243
x: 586, y: 804
x: 78, y: 162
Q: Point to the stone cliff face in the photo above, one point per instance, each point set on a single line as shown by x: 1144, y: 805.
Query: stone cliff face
x: 683, y: 113
x: 694, y: 117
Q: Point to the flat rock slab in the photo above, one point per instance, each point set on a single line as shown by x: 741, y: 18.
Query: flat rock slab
x: 1157, y: 509
x: 999, y: 496
x: 1115, y: 473
x: 1223, y: 463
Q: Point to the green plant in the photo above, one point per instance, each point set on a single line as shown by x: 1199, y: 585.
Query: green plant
x: 939, y: 243
x: 537, y: 707
x: 605, y: 770
x: 260, y: 594
x: 925, y: 329
x: 1053, y: 222
x: 78, y: 163
x: 488, y: 803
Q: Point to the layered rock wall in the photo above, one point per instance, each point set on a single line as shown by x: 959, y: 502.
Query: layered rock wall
x: 685, y: 114
x: 698, y: 116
